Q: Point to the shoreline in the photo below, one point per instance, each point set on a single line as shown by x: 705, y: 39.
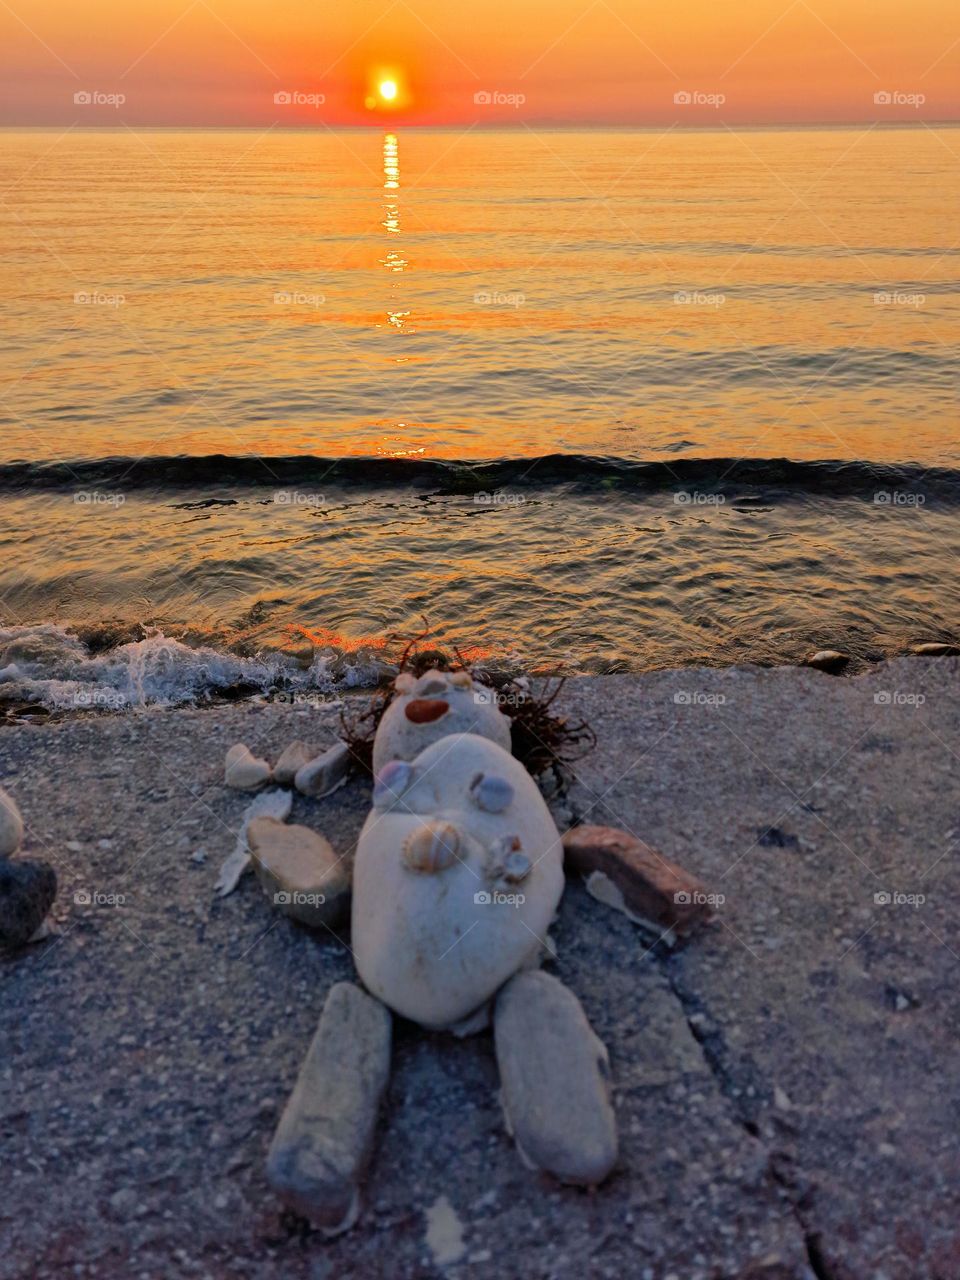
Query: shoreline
x: 762, y: 1075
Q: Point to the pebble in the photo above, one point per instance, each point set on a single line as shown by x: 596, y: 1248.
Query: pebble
x: 300, y: 872
x: 828, y: 660
x: 325, y: 1135
x: 291, y: 761
x: 11, y: 825
x: 553, y: 1074
x: 935, y: 649
x: 27, y: 891
x: 324, y: 773
x: 243, y: 770
x: 444, y: 1233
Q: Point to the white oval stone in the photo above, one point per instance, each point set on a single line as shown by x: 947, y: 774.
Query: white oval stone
x: 436, y: 946
x: 291, y: 761
x: 11, y: 825
x: 470, y: 709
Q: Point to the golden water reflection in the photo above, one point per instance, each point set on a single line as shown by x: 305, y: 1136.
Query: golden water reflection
x: 397, y: 317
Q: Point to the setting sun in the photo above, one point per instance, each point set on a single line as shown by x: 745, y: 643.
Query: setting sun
x: 388, y: 90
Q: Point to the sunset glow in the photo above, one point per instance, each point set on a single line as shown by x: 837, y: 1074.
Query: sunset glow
x: 624, y: 62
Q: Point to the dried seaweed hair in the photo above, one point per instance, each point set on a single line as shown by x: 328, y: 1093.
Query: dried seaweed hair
x: 543, y: 742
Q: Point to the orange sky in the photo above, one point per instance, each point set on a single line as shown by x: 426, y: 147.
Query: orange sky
x: 222, y: 62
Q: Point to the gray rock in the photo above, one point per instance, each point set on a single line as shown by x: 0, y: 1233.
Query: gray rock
x: 11, y: 825
x: 27, y: 891
x: 243, y: 770
x: 300, y: 872
x: 322, y: 775
x: 291, y: 761
x: 553, y: 1073
x: 325, y: 1135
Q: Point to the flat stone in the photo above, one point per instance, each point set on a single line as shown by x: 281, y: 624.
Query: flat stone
x: 291, y: 761
x: 300, y: 872
x: 936, y: 649
x: 27, y: 891
x: 554, y: 1074
x: 243, y: 770
x: 325, y: 1135
x: 828, y: 660
x: 11, y: 825
x: 325, y: 773
x: 625, y: 873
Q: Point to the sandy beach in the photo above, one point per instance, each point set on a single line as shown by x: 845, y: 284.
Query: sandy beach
x: 786, y: 1085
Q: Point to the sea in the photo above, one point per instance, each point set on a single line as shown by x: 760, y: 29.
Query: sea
x: 272, y: 402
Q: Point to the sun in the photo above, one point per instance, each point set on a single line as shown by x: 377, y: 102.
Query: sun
x: 387, y: 90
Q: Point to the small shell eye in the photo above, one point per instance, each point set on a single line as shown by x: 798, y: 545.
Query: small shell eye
x: 391, y: 782
x: 404, y: 682
x: 491, y: 793
x: 516, y: 867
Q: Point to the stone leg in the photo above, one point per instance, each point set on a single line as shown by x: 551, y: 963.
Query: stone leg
x: 325, y: 1135
x: 554, y: 1076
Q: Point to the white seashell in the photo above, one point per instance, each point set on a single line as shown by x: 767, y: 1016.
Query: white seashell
x: 391, y: 782
x: 436, y: 948
x: 516, y: 867
x: 404, y: 683
x: 462, y: 680
x: 491, y: 793
x: 454, y: 706
x: 432, y: 847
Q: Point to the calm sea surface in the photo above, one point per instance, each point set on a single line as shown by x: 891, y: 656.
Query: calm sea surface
x: 599, y: 400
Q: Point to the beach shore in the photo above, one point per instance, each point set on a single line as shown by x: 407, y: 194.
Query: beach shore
x: 786, y: 1085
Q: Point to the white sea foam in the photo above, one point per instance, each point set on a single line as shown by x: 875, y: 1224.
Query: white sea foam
x: 50, y: 665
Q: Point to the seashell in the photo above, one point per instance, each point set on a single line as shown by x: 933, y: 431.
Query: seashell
x: 516, y: 867
x: 429, y: 685
x: 462, y: 680
x: 432, y: 847
x: 391, y: 782
x: 491, y: 793
x: 404, y: 682
x: 426, y: 710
